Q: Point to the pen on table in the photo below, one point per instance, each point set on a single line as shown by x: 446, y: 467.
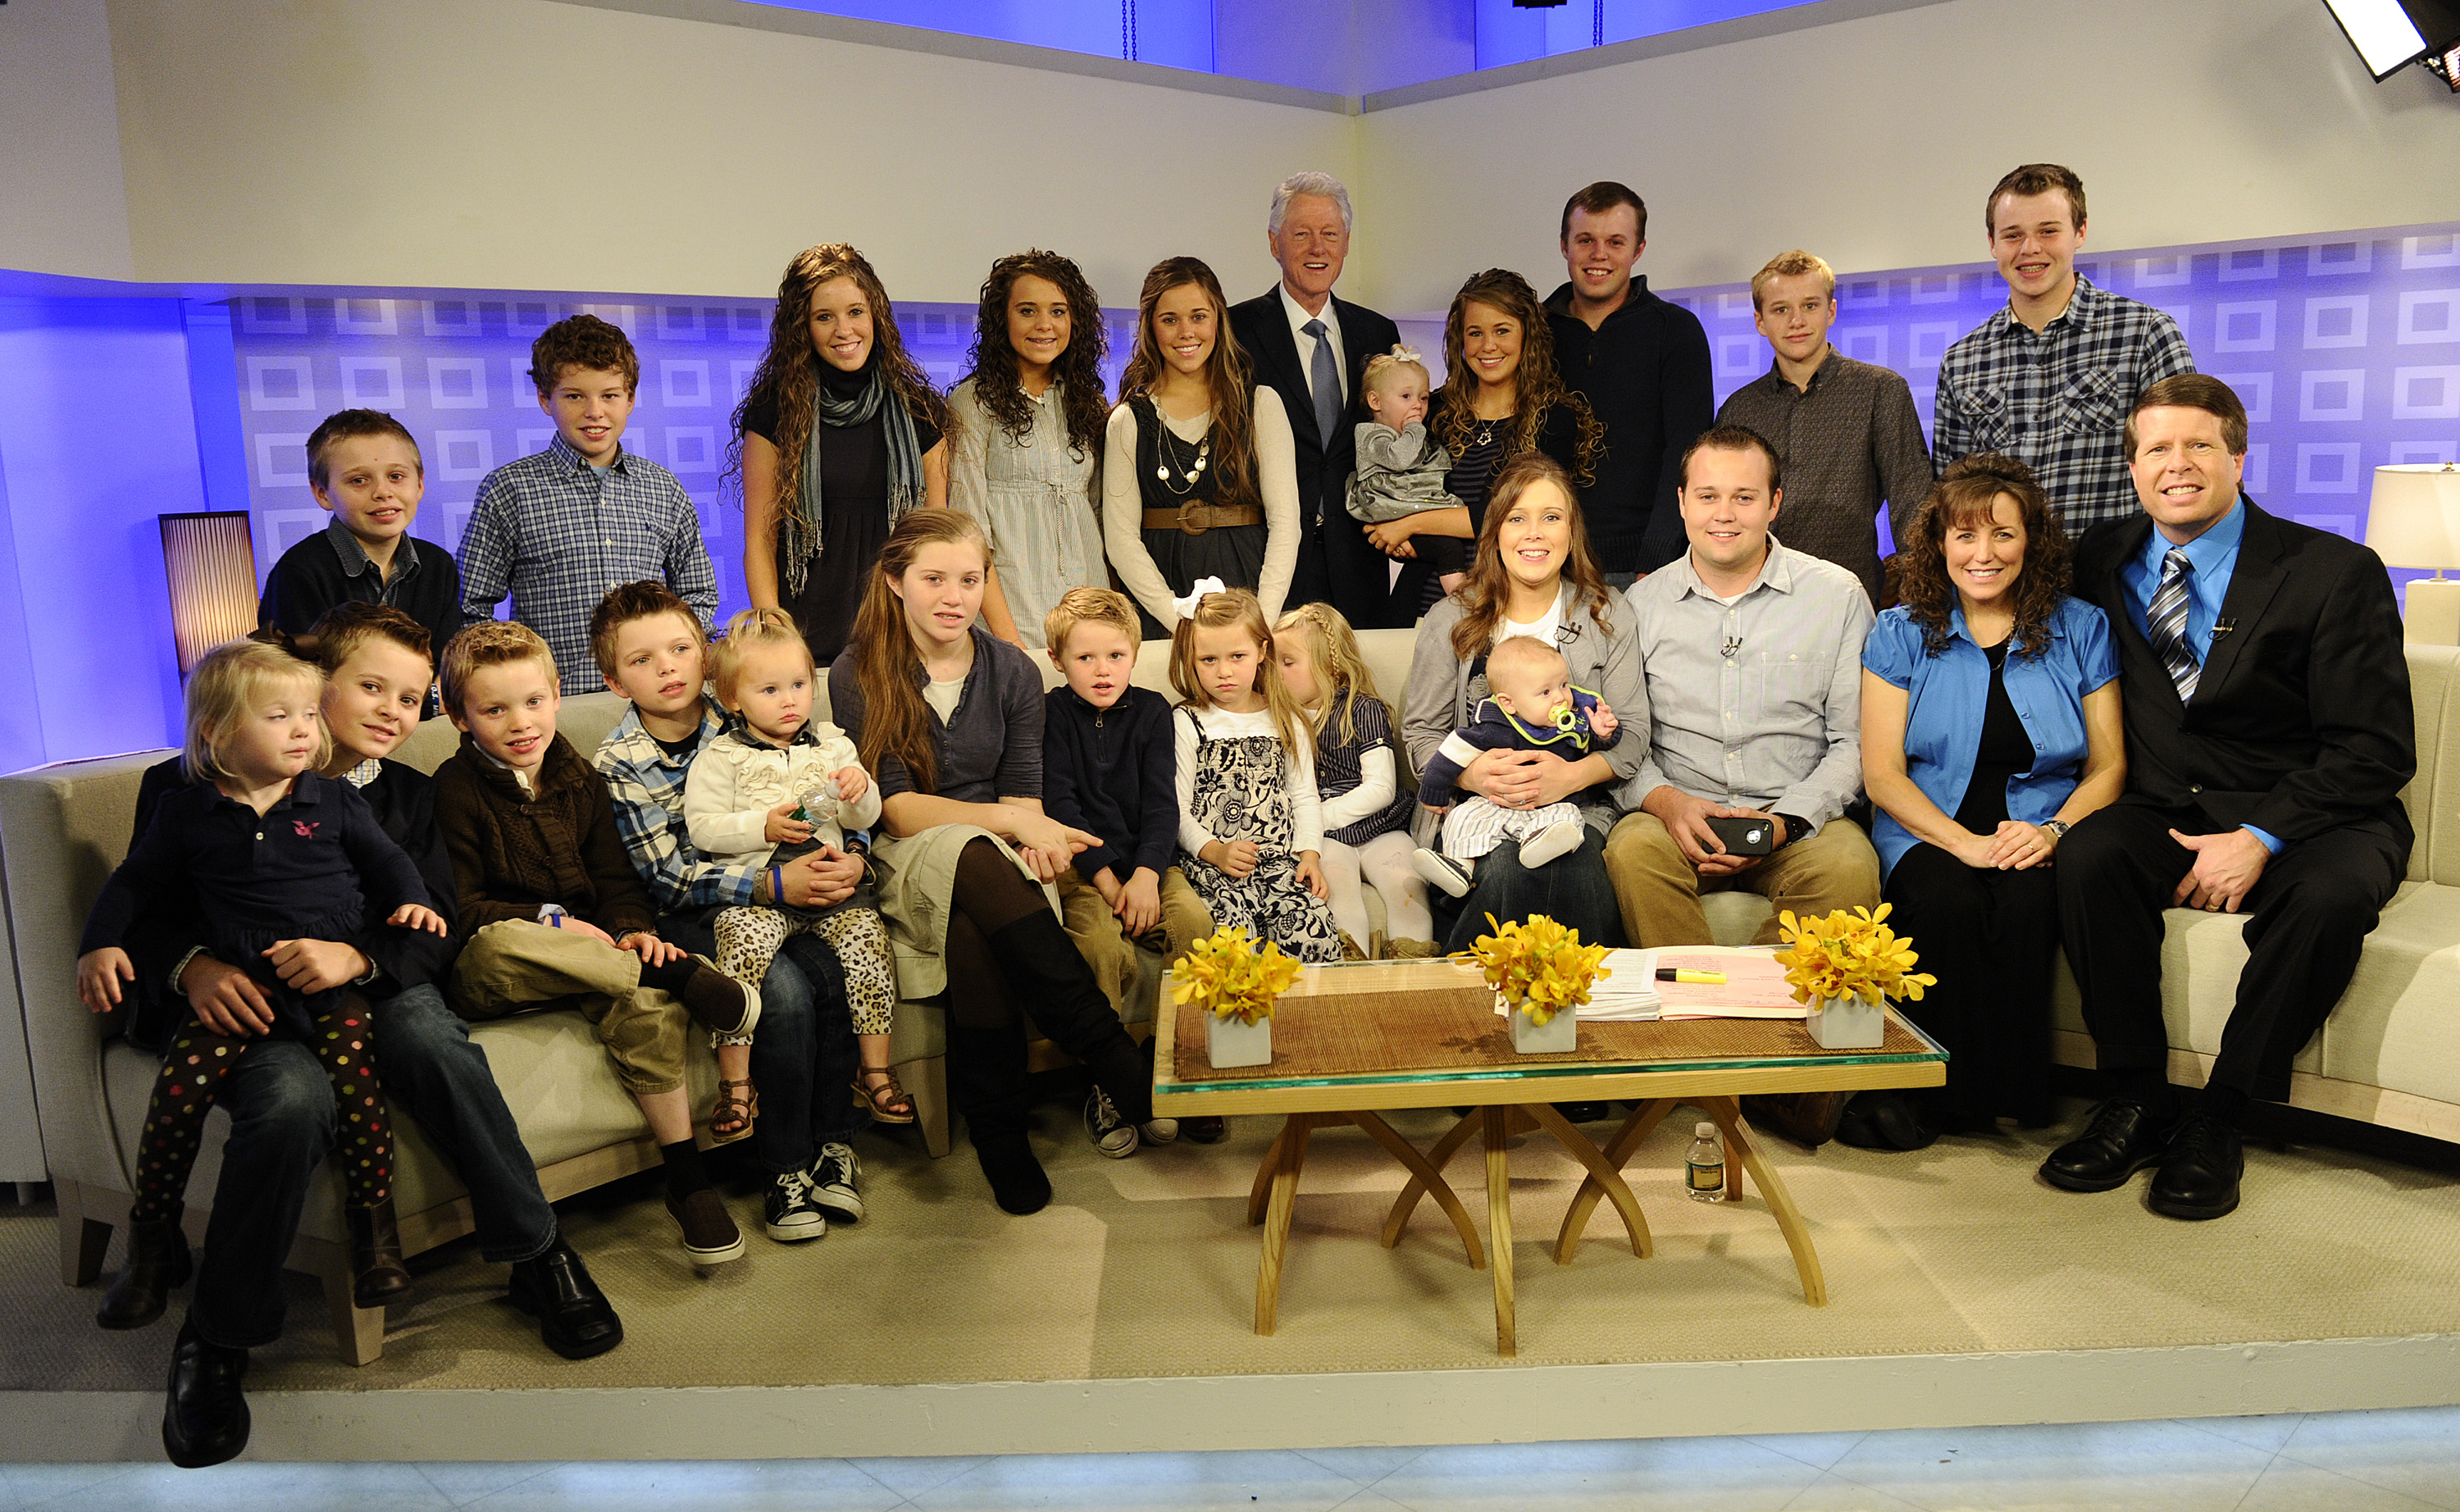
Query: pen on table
x: 1669, y: 973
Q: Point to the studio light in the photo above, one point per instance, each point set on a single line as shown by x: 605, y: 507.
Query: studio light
x: 2391, y: 35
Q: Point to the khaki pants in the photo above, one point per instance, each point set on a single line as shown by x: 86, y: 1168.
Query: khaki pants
x: 1105, y: 945
x: 1658, y: 893
x: 520, y: 967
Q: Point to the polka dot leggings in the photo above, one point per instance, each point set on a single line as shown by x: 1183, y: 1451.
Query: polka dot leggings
x: 193, y: 1073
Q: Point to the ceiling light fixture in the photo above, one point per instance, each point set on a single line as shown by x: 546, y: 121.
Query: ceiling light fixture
x: 2391, y: 35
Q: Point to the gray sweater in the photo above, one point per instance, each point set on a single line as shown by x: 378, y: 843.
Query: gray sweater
x: 1399, y: 473
x: 1443, y: 696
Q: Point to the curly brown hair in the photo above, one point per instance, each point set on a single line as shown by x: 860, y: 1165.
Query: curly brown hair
x: 789, y: 375
x: 1541, y: 388
x: 992, y: 365
x: 585, y: 342
x: 1228, y: 375
x: 1965, y: 497
x: 1486, y: 591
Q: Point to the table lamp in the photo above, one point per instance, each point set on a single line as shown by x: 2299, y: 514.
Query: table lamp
x: 2413, y: 521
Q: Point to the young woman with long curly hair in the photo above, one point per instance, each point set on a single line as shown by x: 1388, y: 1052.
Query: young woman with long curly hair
x: 838, y: 438
x: 1990, y: 724
x: 1501, y: 398
x: 1199, y: 471
x: 1027, y: 438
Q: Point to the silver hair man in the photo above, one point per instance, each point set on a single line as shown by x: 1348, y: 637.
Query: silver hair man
x: 1299, y: 183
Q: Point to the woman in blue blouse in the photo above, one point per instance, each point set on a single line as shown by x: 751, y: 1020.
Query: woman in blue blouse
x: 1990, y: 724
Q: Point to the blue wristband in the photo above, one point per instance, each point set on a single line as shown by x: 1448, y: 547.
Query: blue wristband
x: 778, y: 886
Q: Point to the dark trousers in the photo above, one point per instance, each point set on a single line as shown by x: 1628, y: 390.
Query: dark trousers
x: 1336, y: 565
x: 281, y: 1108
x: 1571, y: 890
x: 1990, y: 938
x: 2306, y: 919
x: 803, y: 1054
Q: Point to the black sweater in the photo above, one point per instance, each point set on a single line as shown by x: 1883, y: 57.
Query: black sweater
x: 1645, y: 373
x: 310, y: 578
x: 1113, y: 773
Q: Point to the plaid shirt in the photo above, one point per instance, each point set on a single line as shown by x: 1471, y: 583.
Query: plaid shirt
x: 2057, y: 399
x: 647, y: 785
x: 559, y: 534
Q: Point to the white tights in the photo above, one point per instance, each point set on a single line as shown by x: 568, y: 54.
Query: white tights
x: 1384, y: 863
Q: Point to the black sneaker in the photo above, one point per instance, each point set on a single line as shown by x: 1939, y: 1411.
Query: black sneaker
x: 789, y: 1214
x: 1111, y: 1135
x: 833, y: 1176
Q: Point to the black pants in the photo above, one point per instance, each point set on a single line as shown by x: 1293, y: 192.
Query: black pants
x: 1991, y: 937
x: 2306, y: 919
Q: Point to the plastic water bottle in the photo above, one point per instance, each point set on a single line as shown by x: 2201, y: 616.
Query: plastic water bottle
x: 1705, y: 1166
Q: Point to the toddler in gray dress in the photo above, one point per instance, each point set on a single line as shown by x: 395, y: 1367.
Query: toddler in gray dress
x: 1401, y: 470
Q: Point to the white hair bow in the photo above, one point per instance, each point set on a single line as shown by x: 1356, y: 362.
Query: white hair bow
x: 1186, y: 606
x: 1406, y: 354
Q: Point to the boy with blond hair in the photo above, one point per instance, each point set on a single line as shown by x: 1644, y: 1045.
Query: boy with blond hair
x: 555, y: 914
x: 559, y: 528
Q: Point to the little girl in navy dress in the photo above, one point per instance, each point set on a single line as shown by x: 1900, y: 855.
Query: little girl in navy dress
x: 274, y: 853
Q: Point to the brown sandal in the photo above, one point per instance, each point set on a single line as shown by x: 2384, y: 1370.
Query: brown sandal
x: 741, y: 1109
x: 888, y: 1102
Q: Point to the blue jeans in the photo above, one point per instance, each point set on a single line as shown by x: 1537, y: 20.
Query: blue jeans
x: 803, y: 1055
x: 1571, y: 890
x: 430, y: 1069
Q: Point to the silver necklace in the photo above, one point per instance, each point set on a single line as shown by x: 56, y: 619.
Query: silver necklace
x: 1167, y: 454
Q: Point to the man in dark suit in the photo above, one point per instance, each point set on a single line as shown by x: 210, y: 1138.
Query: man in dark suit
x: 1311, y: 348
x: 2269, y: 733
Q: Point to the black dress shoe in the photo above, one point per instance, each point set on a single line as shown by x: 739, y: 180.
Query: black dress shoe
x: 157, y: 1260
x: 573, y: 1316
x: 377, y: 1275
x: 1018, y: 1182
x: 1883, y: 1120
x: 205, y: 1420
x: 2199, y: 1176
x: 2119, y: 1141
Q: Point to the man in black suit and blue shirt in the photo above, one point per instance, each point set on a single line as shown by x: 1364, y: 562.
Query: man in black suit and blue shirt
x: 1311, y: 348
x: 2269, y: 733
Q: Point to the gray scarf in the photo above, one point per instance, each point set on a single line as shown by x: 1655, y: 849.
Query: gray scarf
x: 798, y: 533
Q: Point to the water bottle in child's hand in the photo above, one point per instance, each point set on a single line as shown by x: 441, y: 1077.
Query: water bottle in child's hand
x: 819, y: 806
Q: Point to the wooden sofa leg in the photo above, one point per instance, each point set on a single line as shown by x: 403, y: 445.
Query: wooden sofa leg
x: 83, y: 1240
x: 926, y: 1081
x: 358, y: 1331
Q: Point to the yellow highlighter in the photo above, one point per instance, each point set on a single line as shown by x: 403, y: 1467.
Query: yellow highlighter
x: 1667, y: 973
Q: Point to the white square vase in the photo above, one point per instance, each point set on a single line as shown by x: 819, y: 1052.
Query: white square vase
x: 1847, y: 1023
x: 1560, y: 1035
x: 1232, y: 1042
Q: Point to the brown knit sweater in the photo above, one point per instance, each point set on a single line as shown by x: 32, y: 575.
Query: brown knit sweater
x: 512, y: 852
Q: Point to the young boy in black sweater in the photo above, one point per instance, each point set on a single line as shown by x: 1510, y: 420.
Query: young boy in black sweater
x: 365, y: 469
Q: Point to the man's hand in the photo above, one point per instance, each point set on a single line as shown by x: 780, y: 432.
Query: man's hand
x: 1686, y: 818
x: 418, y: 916
x: 652, y: 951
x: 223, y: 999
x: 1603, y: 721
x: 2227, y: 868
x: 826, y: 877
x: 783, y: 828
x: 1235, y: 857
x: 100, y: 973
x: 1311, y: 874
x: 1139, y: 903
x: 316, y: 966
x: 853, y: 781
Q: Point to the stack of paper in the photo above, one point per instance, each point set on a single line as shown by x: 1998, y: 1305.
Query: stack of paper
x: 1754, y: 985
x: 1627, y: 995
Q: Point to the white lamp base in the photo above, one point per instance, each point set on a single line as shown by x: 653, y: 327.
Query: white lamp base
x: 2432, y: 617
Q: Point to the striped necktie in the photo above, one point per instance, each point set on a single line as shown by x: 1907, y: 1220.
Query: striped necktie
x: 2166, y: 623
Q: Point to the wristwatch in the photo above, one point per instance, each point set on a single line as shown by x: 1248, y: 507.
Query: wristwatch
x: 2055, y: 828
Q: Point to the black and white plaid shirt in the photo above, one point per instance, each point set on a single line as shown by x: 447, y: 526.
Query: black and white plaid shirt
x: 2057, y: 399
x: 559, y: 534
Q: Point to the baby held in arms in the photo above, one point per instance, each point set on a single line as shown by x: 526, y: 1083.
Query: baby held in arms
x: 1401, y: 470
x: 1530, y: 705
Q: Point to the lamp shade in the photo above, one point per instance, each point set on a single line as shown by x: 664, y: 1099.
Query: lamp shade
x: 2413, y: 517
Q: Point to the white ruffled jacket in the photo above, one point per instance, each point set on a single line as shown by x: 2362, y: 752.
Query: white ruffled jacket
x: 739, y: 779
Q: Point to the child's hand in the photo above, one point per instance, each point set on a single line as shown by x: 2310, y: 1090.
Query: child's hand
x: 574, y: 924
x: 1106, y: 883
x: 1603, y: 721
x: 100, y: 973
x: 652, y: 951
x: 784, y: 827
x: 851, y: 781
x: 1311, y: 874
x: 1236, y: 857
x: 1138, y: 905
x: 418, y: 916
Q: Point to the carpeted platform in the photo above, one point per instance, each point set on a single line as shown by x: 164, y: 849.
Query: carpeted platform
x: 1146, y: 1268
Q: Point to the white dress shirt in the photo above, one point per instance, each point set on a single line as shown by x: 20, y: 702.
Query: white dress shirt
x: 1331, y: 318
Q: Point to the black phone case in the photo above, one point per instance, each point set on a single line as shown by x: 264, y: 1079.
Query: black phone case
x: 1744, y: 836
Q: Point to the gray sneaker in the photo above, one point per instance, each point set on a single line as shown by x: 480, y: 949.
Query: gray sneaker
x: 1111, y: 1135
x: 832, y: 1177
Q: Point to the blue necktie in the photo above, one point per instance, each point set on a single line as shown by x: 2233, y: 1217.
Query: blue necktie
x: 2165, y: 624
x: 1324, y: 378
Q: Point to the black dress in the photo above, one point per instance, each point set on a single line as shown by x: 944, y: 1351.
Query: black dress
x: 854, y: 515
x: 1991, y: 937
x: 1232, y: 553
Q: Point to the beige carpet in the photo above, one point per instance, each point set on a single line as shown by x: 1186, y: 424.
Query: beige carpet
x: 1146, y: 1268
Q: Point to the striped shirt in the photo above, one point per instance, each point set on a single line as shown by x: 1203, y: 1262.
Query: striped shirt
x: 647, y: 786
x: 2056, y: 399
x: 559, y: 534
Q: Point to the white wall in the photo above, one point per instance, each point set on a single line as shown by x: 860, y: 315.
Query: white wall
x: 526, y: 144
x: 63, y: 206
x: 1874, y: 141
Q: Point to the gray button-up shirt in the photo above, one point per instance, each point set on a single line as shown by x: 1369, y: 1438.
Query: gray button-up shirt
x: 1849, y: 441
x: 1757, y: 704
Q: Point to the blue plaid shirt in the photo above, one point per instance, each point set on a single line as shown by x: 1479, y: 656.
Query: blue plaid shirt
x: 558, y: 534
x: 2057, y: 399
x: 647, y: 785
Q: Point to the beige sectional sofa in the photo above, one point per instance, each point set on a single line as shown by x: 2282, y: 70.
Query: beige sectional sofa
x: 2390, y: 1054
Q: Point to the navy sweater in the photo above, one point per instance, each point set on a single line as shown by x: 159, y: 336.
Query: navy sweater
x: 1111, y: 772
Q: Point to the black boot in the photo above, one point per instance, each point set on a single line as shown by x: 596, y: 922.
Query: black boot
x: 1045, y: 971
x: 377, y: 1275
x: 157, y: 1260
x: 574, y: 1317
x: 204, y: 1421
x: 1019, y: 1185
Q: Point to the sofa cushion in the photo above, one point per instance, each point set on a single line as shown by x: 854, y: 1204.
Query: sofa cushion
x: 2398, y: 1026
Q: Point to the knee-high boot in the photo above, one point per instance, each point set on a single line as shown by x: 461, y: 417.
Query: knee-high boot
x: 1045, y: 971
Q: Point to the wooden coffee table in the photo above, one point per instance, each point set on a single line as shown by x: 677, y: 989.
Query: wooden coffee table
x: 1350, y: 1042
